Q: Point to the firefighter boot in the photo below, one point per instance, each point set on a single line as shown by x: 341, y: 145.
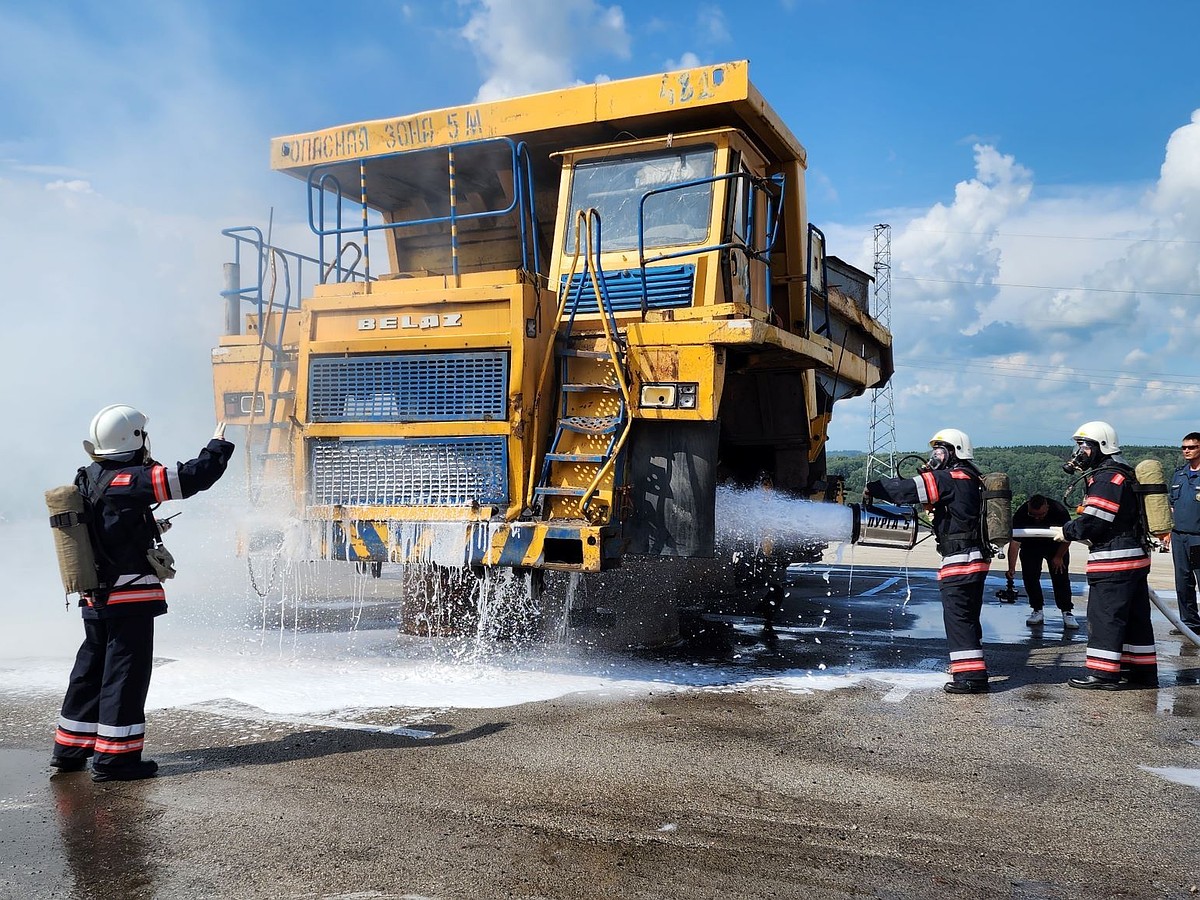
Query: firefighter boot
x: 68, y: 763
x: 966, y: 686
x: 1095, y: 683
x: 143, y: 768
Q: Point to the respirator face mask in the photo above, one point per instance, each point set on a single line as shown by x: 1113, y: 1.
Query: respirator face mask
x: 939, y: 458
x: 1084, y: 457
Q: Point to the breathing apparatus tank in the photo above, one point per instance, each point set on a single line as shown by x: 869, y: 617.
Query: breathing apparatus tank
x: 997, y: 510
x: 72, y: 541
x: 1152, y: 489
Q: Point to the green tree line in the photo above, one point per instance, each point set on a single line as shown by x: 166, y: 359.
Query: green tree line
x: 1031, y: 469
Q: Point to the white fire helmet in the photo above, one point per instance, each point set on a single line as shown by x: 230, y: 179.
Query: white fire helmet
x: 116, y: 432
x: 1102, y: 434
x: 956, y: 439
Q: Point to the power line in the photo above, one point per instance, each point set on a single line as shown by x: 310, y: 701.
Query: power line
x: 948, y: 361
x: 1045, y: 287
x: 1053, y: 237
x: 1111, y: 380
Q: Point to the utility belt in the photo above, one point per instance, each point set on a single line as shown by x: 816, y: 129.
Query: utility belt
x: 959, y: 542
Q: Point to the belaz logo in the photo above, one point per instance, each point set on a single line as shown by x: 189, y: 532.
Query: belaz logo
x: 386, y: 323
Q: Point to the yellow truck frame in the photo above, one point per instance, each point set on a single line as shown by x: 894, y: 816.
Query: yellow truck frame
x: 537, y: 384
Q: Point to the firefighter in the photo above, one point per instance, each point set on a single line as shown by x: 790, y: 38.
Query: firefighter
x: 1120, y: 650
x: 951, y: 487
x: 103, y: 712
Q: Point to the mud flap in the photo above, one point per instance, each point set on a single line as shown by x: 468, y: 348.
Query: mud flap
x: 673, y: 470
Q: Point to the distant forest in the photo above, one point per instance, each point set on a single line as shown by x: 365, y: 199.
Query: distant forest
x: 1030, y: 470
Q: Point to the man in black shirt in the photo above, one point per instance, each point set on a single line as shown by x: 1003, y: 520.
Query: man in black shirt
x: 1042, y: 512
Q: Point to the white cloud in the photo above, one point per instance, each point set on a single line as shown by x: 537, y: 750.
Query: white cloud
x: 75, y: 185
x: 1019, y: 309
x: 951, y: 246
x: 527, y: 46
x: 689, y: 60
x: 712, y: 24
x: 1178, y: 190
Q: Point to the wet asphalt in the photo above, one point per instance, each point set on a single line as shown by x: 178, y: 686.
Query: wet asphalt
x: 750, y: 788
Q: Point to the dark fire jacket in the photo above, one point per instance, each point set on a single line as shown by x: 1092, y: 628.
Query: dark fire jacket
x: 122, y: 497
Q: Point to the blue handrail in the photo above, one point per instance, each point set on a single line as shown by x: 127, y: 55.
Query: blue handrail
x: 764, y: 185
x: 321, y: 180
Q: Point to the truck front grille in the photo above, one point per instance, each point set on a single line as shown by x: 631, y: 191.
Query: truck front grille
x: 454, y: 471
x: 409, y: 387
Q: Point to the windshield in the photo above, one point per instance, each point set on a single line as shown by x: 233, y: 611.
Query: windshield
x: 615, y: 187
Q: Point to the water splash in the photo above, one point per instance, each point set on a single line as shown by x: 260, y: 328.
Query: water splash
x: 757, y: 514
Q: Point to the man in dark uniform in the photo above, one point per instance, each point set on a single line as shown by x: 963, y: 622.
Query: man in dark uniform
x: 103, y: 712
x: 1120, y: 650
x: 951, y: 487
x: 1042, y: 512
x: 1184, y: 539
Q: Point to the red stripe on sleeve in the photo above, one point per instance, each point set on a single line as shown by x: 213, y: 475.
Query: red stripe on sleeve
x: 158, y: 477
x: 931, y: 488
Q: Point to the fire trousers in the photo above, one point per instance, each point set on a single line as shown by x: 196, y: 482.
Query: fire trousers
x: 1031, y: 576
x: 1120, y: 636
x: 1182, y: 544
x: 962, y: 601
x: 104, y: 710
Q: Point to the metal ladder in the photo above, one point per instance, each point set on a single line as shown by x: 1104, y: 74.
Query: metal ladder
x: 593, y: 421
x: 267, y: 438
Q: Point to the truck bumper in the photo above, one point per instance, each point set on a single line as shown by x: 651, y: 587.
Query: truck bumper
x: 565, y: 546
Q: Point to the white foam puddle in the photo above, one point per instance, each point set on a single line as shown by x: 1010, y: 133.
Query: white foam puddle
x: 900, y: 683
x: 333, y: 689
x: 220, y: 650
x: 1187, y: 777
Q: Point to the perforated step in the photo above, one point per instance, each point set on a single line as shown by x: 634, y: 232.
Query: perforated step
x: 584, y: 354
x: 584, y: 388
x: 591, y: 424
x: 559, y: 491
x: 577, y: 457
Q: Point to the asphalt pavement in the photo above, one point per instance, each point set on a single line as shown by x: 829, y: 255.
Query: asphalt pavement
x: 814, y: 758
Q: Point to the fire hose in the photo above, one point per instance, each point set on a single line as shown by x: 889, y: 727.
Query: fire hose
x: 1170, y: 614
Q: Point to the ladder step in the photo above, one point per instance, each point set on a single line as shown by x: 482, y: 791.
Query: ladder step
x: 559, y: 491
x: 577, y: 457
x: 591, y: 424
x: 581, y: 388
x: 584, y: 354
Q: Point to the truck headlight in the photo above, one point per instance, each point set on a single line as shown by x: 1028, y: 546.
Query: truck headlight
x: 688, y: 391
x: 657, y: 396
x: 244, y: 404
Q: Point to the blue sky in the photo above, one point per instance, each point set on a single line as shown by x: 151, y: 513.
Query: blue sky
x: 1038, y: 163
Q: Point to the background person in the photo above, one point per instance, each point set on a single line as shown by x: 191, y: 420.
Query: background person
x: 1184, y: 539
x: 104, y: 710
x: 1042, y: 512
x: 1120, y: 649
x: 951, y: 487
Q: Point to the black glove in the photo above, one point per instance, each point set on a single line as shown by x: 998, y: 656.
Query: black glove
x: 866, y: 497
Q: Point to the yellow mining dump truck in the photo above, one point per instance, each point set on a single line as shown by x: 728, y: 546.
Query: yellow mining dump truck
x: 597, y: 304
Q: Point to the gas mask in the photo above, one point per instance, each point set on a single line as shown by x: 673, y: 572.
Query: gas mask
x: 1087, y: 454
x: 939, y: 458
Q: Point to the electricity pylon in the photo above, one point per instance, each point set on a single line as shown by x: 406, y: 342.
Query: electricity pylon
x: 881, y: 457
